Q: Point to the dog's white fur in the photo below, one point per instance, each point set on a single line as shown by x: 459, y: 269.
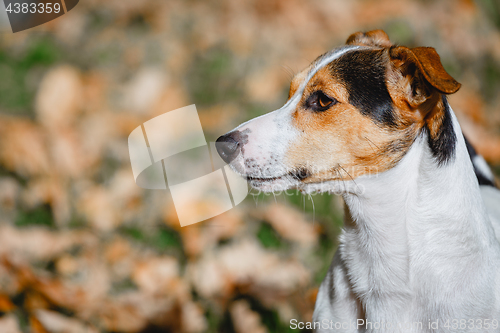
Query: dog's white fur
x: 418, y: 244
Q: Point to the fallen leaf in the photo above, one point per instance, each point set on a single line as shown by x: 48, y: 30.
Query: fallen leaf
x: 291, y: 224
x: 9, y: 324
x: 245, y: 320
x: 55, y: 322
x: 58, y: 98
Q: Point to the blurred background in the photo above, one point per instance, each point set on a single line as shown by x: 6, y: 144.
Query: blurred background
x: 84, y: 249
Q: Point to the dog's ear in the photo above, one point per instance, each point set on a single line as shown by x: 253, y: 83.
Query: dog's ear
x: 376, y: 38
x: 422, y: 69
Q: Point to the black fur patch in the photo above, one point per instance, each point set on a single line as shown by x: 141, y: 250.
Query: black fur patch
x: 363, y: 73
x: 443, y: 143
x: 481, y: 178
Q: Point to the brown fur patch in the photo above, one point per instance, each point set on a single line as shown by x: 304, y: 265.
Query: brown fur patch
x: 434, y: 119
x: 429, y: 65
x: 376, y: 38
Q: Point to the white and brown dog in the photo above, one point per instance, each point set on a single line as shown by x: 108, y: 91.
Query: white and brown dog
x: 419, y: 251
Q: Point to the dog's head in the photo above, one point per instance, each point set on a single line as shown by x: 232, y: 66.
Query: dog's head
x: 354, y: 111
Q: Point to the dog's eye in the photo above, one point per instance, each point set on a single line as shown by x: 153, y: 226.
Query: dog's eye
x: 318, y: 101
x: 324, y: 102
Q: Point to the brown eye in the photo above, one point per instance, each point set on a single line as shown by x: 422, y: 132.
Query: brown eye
x: 324, y: 102
x: 319, y: 101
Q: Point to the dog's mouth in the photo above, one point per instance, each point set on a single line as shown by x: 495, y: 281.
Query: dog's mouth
x: 271, y: 184
x: 282, y: 178
x: 292, y: 177
x: 263, y: 180
x: 297, y: 174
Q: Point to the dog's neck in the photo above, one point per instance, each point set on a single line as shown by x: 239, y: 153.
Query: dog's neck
x: 409, y: 222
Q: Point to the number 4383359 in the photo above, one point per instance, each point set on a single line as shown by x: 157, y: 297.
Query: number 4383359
x: 24, y: 7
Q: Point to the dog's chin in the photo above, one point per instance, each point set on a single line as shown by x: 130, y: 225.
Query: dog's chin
x: 265, y: 182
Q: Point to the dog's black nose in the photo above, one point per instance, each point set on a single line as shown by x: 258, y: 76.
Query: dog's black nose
x: 227, y: 147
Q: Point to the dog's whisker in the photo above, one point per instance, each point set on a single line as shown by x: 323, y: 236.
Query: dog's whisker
x: 371, y: 143
x: 289, y: 71
x: 314, y: 209
x: 343, y: 182
x: 349, y: 176
x: 304, y: 203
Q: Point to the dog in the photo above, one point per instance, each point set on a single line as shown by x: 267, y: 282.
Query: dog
x: 419, y: 251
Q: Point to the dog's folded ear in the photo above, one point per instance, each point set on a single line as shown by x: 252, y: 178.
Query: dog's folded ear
x: 376, y: 38
x: 426, y: 62
x: 421, y: 73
